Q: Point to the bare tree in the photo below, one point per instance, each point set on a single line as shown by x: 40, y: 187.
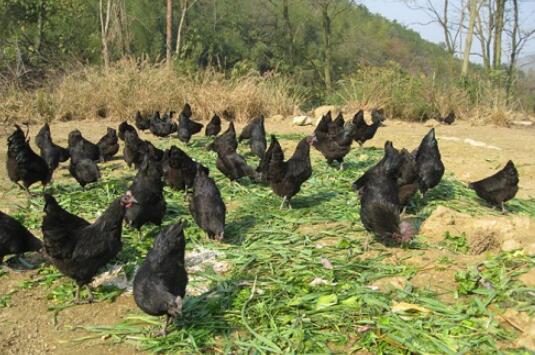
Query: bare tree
x: 326, y: 26
x: 499, y: 14
x: 519, y: 37
x: 104, y: 30
x: 329, y: 11
x: 122, y: 28
x: 452, y: 28
x: 484, y: 29
x: 40, y: 20
x: 169, y: 32
x: 474, y: 7
x: 185, y: 6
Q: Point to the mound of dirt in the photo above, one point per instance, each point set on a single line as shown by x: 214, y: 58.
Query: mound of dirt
x: 483, y: 233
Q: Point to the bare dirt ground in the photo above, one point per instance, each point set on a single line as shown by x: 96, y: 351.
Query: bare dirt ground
x: 469, y: 153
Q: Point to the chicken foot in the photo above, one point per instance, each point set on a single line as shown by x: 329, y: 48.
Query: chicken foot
x: 163, y: 331
x: 89, y: 299
x: 285, y: 202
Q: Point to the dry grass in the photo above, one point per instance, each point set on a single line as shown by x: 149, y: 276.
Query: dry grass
x: 130, y: 86
x: 419, y: 97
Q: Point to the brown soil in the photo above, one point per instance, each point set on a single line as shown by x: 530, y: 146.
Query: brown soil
x: 27, y: 327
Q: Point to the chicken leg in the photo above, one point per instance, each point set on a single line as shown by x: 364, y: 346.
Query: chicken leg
x: 90, y: 298
x: 283, y: 202
x: 163, y: 331
x: 286, y: 202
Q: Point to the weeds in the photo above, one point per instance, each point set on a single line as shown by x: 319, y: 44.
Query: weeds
x: 413, y: 97
x: 128, y: 86
x: 279, y: 296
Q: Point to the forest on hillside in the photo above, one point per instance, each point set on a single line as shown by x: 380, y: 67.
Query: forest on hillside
x: 327, y: 50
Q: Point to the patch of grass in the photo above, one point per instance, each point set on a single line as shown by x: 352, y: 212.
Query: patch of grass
x: 278, y: 295
x: 5, y: 299
x: 456, y: 243
x: 496, y: 281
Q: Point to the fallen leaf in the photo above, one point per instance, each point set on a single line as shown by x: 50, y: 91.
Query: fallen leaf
x: 409, y: 308
x: 326, y: 264
x: 326, y: 301
x: 363, y: 328
x: 319, y: 281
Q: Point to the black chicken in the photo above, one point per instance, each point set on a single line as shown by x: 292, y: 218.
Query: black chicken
x: 339, y: 120
x: 85, y: 171
x: 108, y: 145
x: 334, y: 140
x: 76, y: 247
x: 80, y: 148
x: 286, y: 177
x: 263, y: 166
x: 148, y: 189
x: 364, y: 131
x: 142, y: 123
x: 498, y: 188
x: 234, y: 166
x: 160, y: 283
x: 407, y: 180
x: 15, y: 238
x: 449, y: 119
x: 186, y: 126
x: 179, y: 169
x: 186, y: 110
x: 213, y: 127
x: 225, y: 143
x: 125, y: 127
x: 255, y: 132
x: 380, y: 208
x: 378, y: 115
x: 52, y: 154
x: 23, y: 164
x: 207, y: 206
x: 389, y: 154
x: 429, y: 163
x: 135, y: 150
x: 162, y: 127
x: 229, y: 162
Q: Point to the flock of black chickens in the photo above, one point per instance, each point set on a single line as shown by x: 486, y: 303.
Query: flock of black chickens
x: 79, y: 249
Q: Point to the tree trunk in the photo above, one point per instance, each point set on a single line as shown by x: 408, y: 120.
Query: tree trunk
x: 514, y: 52
x: 181, y: 23
x: 483, y: 43
x: 39, y: 36
x: 289, y: 31
x: 326, y: 24
x: 104, y: 27
x: 469, y: 37
x: 449, y: 46
x: 122, y: 23
x: 498, y: 31
x: 169, y: 32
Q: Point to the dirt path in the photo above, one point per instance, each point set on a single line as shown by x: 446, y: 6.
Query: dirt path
x: 469, y: 153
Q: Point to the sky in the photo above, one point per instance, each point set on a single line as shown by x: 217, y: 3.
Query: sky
x: 416, y: 19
